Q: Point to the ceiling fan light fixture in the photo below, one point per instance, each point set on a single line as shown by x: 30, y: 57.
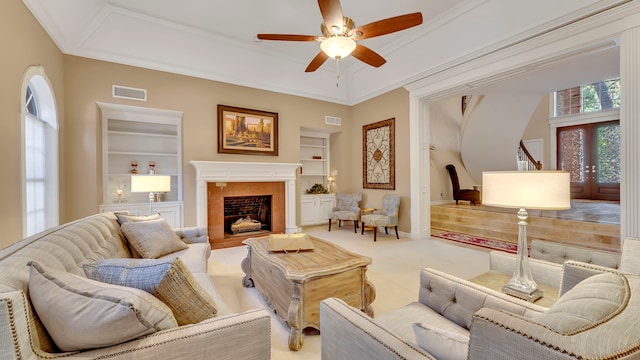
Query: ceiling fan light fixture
x: 338, y: 47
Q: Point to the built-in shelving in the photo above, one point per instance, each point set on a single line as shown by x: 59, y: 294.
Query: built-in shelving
x: 314, y: 156
x: 143, y: 135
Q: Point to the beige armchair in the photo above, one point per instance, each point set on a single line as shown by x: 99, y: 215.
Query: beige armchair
x: 386, y: 217
x: 347, y: 208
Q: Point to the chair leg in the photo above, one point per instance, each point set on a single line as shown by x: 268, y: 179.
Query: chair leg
x: 397, y: 237
x: 329, y: 224
x: 375, y: 233
x: 386, y: 230
x: 355, y: 226
x: 362, y: 232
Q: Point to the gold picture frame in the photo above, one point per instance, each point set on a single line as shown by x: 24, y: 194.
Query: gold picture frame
x: 247, y: 131
x: 378, y: 155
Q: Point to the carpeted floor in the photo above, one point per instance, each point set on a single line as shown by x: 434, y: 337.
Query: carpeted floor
x: 394, y: 271
x: 478, y: 241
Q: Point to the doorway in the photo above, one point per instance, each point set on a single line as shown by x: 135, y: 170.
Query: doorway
x: 591, y: 154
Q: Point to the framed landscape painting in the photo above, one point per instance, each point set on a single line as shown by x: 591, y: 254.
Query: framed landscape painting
x: 378, y: 155
x: 246, y: 131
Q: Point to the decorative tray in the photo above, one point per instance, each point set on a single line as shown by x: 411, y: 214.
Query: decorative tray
x: 290, y: 242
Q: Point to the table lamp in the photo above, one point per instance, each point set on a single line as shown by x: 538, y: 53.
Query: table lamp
x: 541, y: 190
x: 151, y: 184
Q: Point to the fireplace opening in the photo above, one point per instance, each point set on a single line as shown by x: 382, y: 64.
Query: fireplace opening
x: 247, y: 215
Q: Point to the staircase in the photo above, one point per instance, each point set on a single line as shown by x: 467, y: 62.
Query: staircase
x: 501, y: 224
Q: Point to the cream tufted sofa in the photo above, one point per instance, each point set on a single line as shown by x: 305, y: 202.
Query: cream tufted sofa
x: 69, y: 246
x: 596, y: 317
x: 546, y: 259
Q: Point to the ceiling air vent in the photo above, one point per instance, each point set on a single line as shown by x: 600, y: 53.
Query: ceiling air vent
x: 129, y: 93
x: 332, y: 120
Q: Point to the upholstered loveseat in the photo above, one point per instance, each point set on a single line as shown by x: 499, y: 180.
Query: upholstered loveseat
x: 546, y: 259
x: 596, y: 317
x: 68, y: 250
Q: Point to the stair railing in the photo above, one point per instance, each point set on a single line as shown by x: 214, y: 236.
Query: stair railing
x: 526, y: 160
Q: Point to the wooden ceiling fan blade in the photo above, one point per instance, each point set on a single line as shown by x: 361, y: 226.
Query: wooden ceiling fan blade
x: 287, y: 37
x: 317, y: 62
x: 331, y: 11
x: 368, y: 56
x: 388, y: 26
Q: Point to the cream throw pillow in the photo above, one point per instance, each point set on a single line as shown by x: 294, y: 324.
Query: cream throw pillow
x: 167, y: 279
x: 153, y: 238
x: 80, y: 313
x: 451, y: 343
x: 125, y: 218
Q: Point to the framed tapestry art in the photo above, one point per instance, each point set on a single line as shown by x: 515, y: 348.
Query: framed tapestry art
x: 378, y: 155
x: 246, y: 131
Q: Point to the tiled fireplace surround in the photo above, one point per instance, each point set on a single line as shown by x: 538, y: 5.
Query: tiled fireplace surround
x: 218, y: 174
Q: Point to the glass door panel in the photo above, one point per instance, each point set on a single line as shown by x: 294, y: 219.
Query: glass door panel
x: 591, y: 154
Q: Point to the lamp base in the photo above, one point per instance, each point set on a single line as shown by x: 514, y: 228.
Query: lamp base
x: 528, y: 296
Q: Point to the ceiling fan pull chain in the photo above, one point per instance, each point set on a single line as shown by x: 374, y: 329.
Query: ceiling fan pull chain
x: 337, y: 72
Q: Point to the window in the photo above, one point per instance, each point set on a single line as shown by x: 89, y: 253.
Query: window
x: 39, y: 154
x: 601, y: 95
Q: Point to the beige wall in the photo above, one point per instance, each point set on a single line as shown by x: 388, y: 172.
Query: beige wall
x: 89, y: 81
x: 394, y: 104
x: 538, y: 128
x: 445, y: 119
x: 24, y: 43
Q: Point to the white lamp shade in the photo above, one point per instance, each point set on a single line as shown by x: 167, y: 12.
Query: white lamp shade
x: 542, y: 190
x: 338, y: 47
x: 150, y: 183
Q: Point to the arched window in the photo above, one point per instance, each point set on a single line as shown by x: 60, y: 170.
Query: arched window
x: 39, y: 153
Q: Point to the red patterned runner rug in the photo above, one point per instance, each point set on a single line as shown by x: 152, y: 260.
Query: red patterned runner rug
x: 478, y: 241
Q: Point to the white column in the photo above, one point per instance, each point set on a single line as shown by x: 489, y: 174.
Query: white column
x: 201, y: 202
x: 630, y: 132
x: 419, y: 172
x: 290, y: 204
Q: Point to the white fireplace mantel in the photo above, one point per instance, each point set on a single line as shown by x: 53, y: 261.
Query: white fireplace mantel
x: 227, y: 171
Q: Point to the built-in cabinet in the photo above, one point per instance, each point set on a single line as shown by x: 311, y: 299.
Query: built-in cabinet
x: 137, y: 140
x: 315, y: 209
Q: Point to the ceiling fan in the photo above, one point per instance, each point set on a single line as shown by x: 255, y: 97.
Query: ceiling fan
x: 340, y: 35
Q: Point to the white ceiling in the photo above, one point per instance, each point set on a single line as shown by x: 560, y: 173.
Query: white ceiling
x: 215, y: 39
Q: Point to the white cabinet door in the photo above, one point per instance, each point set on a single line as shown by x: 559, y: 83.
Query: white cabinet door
x: 307, y: 211
x: 325, y: 206
x: 315, y: 209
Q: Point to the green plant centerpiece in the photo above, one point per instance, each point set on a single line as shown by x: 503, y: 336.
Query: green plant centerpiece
x: 317, y: 189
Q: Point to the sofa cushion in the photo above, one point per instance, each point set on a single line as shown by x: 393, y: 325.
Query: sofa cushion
x: 590, y: 303
x: 167, y: 279
x: 400, y: 321
x: 153, y: 238
x: 194, y: 257
x: 443, y: 342
x: 80, y: 313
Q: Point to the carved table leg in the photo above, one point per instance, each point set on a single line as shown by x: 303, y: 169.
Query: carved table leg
x: 294, y: 318
x: 369, y: 297
x: 247, y: 281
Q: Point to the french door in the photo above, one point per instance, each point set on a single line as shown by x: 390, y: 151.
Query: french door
x: 591, y: 154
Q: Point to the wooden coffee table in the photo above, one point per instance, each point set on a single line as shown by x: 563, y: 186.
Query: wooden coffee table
x: 294, y: 283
